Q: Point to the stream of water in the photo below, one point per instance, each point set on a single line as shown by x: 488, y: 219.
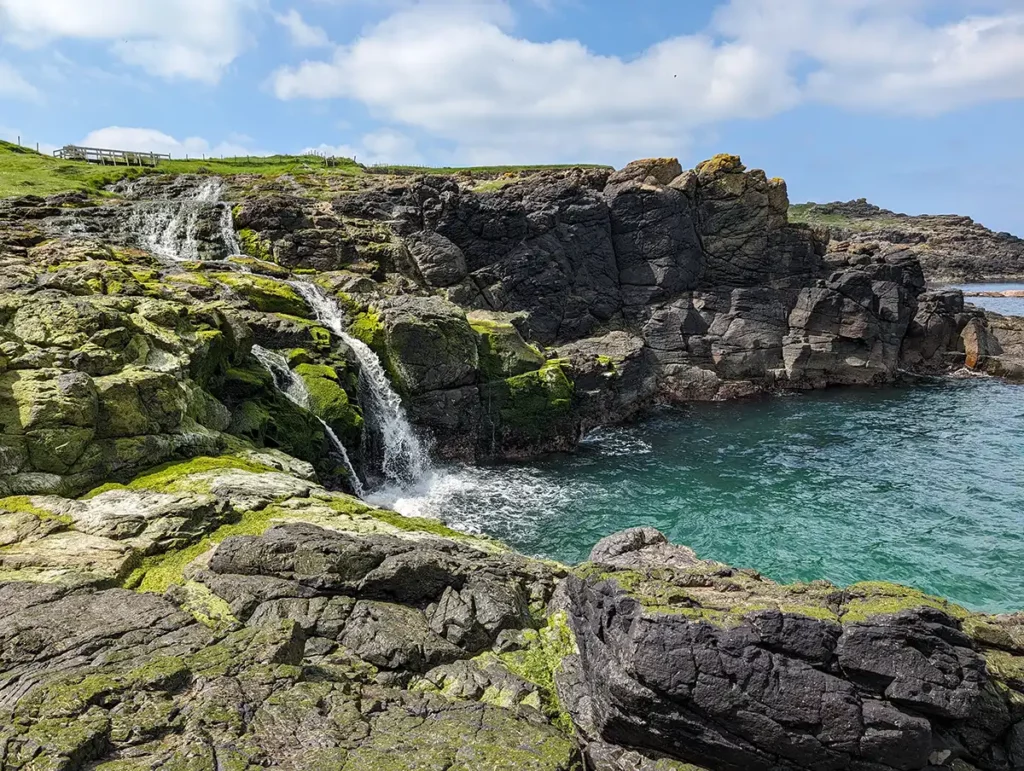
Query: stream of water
x: 169, y: 228
x: 294, y: 388
x: 398, y: 459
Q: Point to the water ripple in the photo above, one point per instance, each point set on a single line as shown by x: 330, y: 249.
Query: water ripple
x: 923, y: 486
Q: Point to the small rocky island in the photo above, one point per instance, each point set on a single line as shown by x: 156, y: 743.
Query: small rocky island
x: 201, y: 376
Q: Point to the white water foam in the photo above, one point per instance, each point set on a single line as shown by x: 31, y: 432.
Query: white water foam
x: 294, y: 388
x: 404, y: 458
x: 168, y: 228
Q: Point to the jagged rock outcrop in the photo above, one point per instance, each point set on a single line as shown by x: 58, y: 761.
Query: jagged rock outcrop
x: 725, y: 297
x: 949, y: 247
x: 721, y: 667
x: 510, y: 321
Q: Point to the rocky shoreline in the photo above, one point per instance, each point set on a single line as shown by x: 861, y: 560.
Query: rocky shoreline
x: 951, y: 248
x: 231, y: 613
x: 235, y: 608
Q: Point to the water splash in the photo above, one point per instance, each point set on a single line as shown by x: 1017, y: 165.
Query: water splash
x: 169, y: 228
x: 402, y: 456
x: 294, y: 388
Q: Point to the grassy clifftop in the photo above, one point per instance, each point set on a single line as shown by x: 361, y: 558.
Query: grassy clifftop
x: 26, y: 172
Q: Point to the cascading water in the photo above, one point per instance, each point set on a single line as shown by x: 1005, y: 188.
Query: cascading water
x: 295, y: 390
x: 169, y: 228
x: 403, y: 458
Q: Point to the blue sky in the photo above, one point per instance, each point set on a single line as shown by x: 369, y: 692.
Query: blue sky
x: 917, y: 105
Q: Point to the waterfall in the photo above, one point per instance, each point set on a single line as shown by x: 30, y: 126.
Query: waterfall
x: 227, y: 230
x: 169, y: 228
x: 294, y: 388
x: 403, y: 458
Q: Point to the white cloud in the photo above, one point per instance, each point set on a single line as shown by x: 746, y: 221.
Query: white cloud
x: 14, y: 86
x: 192, y: 39
x: 459, y: 74
x: 154, y: 141
x: 302, y: 34
x: 457, y: 71
x: 881, y: 55
x: 385, y: 146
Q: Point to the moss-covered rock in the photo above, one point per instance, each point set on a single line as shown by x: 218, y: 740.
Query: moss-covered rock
x: 272, y: 420
x: 330, y: 402
x: 503, y: 352
x: 870, y: 599
x: 136, y: 402
x: 265, y: 294
x: 530, y: 413
x: 254, y: 245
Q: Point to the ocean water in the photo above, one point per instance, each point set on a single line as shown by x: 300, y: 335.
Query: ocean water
x: 920, y: 485
x: 1007, y: 306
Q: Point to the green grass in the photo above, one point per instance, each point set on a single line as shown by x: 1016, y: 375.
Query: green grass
x: 26, y: 172
x: 810, y: 214
x: 482, y: 170
x: 270, y: 166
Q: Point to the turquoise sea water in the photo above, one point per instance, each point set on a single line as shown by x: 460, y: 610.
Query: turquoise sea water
x: 920, y: 485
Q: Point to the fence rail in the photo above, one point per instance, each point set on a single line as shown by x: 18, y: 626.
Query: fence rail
x: 110, y: 157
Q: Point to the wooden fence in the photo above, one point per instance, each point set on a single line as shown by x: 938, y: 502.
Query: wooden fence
x: 110, y: 157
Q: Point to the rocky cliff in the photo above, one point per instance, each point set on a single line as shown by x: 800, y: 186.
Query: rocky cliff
x: 194, y: 372
x: 950, y: 248
x: 510, y: 319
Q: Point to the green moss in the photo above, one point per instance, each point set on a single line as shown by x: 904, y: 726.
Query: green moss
x: 980, y: 628
x: 272, y: 420
x: 503, y: 352
x: 173, y: 476
x: 261, y: 266
x: 23, y: 504
x: 1006, y: 667
x: 415, y: 524
x: 709, y: 597
x: 254, y: 245
x: 72, y: 695
x: 297, y: 356
x: 265, y: 294
x: 492, y: 186
x: 206, y: 607
x: 330, y: 402
x: 878, y: 598
x: 159, y: 572
x: 317, y: 370
x: 537, y: 399
x: 319, y: 335
x: 540, y: 661
x: 250, y: 380
x: 367, y: 327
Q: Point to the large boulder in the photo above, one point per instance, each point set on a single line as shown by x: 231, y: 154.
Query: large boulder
x: 710, y: 665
